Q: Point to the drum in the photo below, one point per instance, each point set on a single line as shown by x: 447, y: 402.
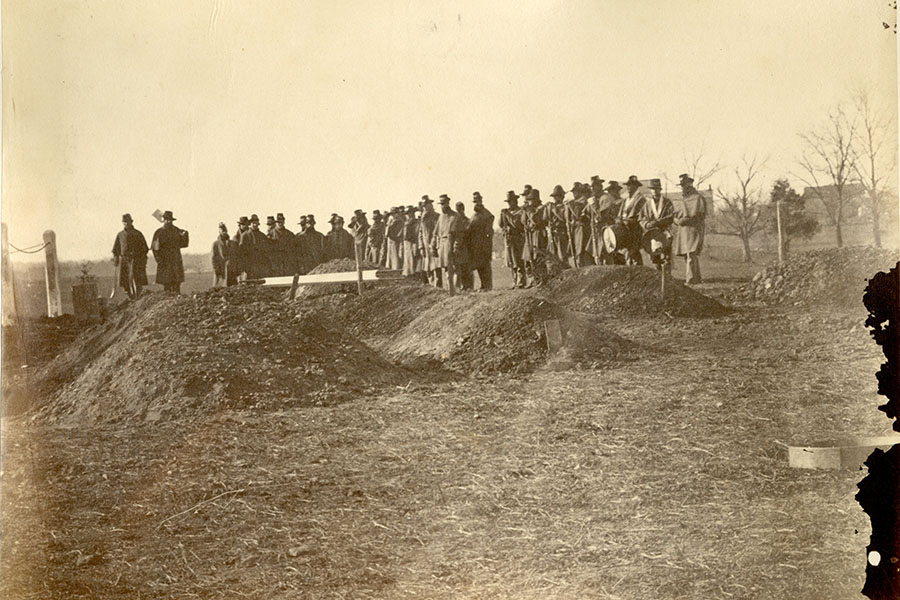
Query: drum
x: 615, y: 238
x: 656, y: 242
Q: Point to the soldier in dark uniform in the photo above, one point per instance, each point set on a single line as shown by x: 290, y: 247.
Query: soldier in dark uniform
x: 130, y: 256
x: 628, y: 216
x: 535, y: 239
x: 554, y: 217
x: 375, y: 239
x: 359, y: 228
x: 461, y: 257
x: 237, y: 260
x: 283, y: 248
x: 222, y: 259
x: 167, y: 243
x: 481, y: 242
x: 514, y: 236
x: 310, y: 245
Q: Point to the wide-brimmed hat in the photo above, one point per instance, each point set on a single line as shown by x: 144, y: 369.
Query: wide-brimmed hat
x: 535, y: 195
x: 633, y: 181
x: 655, y: 184
x: 527, y: 190
x: 511, y: 196
x: 685, y: 179
x: 425, y: 197
x: 576, y: 187
x: 427, y: 200
x: 126, y: 218
x: 444, y: 199
x: 410, y: 209
x: 558, y: 191
x: 167, y: 216
x: 359, y: 211
x: 476, y: 196
x: 270, y: 220
x: 613, y: 185
x: 310, y: 219
x: 335, y: 218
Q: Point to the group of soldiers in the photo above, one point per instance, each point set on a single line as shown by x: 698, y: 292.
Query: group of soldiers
x: 600, y: 225
x: 417, y: 240
x: 597, y: 225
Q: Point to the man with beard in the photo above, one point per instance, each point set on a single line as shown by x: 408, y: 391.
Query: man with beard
x: 427, y: 243
x: 657, y: 216
x: 130, y: 257
x: 167, y: 243
x: 283, y: 248
x: 481, y: 242
x: 243, y: 225
x: 446, y: 239
x: 338, y: 242
x: 628, y: 217
x: 554, y: 217
x: 310, y: 245
x: 514, y: 237
x: 579, y: 226
x: 602, y: 212
x: 375, y: 239
x: 223, y: 259
x: 253, y: 251
x: 690, y: 217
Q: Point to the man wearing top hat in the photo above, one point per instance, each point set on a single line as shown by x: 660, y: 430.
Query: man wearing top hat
x: 359, y: 227
x: 338, y: 242
x: 375, y: 239
x: 428, y: 243
x: 514, y: 238
x: 628, y: 215
x: 130, y: 257
x: 283, y: 248
x: 690, y: 217
x: 310, y: 245
x: 657, y: 216
x: 167, y: 243
x: 481, y: 242
x: 253, y: 251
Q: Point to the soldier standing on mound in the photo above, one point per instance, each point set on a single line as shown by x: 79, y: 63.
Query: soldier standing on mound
x: 167, y: 243
x: 130, y: 257
x: 514, y: 236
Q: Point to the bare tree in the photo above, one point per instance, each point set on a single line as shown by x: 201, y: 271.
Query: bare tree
x: 698, y: 165
x: 875, y: 155
x: 741, y: 211
x: 827, y: 165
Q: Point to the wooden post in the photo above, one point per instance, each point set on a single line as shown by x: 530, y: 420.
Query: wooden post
x: 778, y: 223
x: 51, y: 272
x: 10, y: 317
x: 662, y: 281
x: 359, y: 275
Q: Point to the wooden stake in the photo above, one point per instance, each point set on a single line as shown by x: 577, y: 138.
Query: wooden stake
x: 51, y: 272
x: 359, y: 275
x: 778, y: 223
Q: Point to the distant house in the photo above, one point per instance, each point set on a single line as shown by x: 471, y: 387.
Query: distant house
x: 856, y: 207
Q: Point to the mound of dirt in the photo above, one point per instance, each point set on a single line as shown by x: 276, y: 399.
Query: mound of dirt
x: 338, y: 265
x: 243, y: 347
x: 631, y: 291
x: 498, y: 332
x: 831, y: 277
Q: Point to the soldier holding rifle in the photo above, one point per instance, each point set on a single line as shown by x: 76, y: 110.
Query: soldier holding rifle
x: 514, y: 238
x: 554, y: 216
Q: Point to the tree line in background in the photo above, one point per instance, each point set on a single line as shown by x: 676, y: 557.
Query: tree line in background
x: 850, y: 157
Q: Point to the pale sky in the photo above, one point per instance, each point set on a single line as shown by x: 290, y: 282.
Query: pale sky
x: 220, y: 108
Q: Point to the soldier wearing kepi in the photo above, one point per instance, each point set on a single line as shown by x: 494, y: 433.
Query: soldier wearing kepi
x: 167, y: 243
x: 514, y: 238
x: 690, y: 217
x: 427, y: 245
x: 481, y: 242
x: 554, y: 217
x: 628, y: 217
x: 656, y: 221
x: 130, y: 257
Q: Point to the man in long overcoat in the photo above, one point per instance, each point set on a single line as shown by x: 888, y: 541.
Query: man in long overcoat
x: 462, y: 264
x: 338, y: 242
x: 628, y: 216
x: 253, y: 251
x: 310, y: 246
x: 514, y: 238
x: 223, y: 259
x: 690, y: 217
x: 579, y: 226
x: 283, y: 244
x: 427, y: 231
x: 535, y: 238
x: 446, y: 237
x: 394, y: 235
x: 130, y: 256
x: 167, y: 243
x: 412, y: 257
x: 359, y: 227
x: 481, y: 242
x: 375, y: 239
x: 554, y: 217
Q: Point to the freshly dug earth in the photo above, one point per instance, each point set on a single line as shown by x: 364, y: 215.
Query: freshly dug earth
x: 182, y: 357
x: 338, y: 265
x: 831, y: 277
x: 498, y: 332
x: 612, y: 291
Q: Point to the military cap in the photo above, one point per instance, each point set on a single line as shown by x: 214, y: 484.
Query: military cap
x: 655, y: 184
x: 126, y: 218
x: 254, y: 219
x: 633, y: 181
x: 685, y: 179
x: 558, y: 191
x: 311, y: 219
x: 167, y: 216
x: 511, y: 196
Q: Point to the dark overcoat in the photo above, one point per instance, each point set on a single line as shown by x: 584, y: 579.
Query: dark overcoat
x: 167, y: 243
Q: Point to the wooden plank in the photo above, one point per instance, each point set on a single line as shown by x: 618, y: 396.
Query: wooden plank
x: 342, y: 277
x: 838, y: 454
